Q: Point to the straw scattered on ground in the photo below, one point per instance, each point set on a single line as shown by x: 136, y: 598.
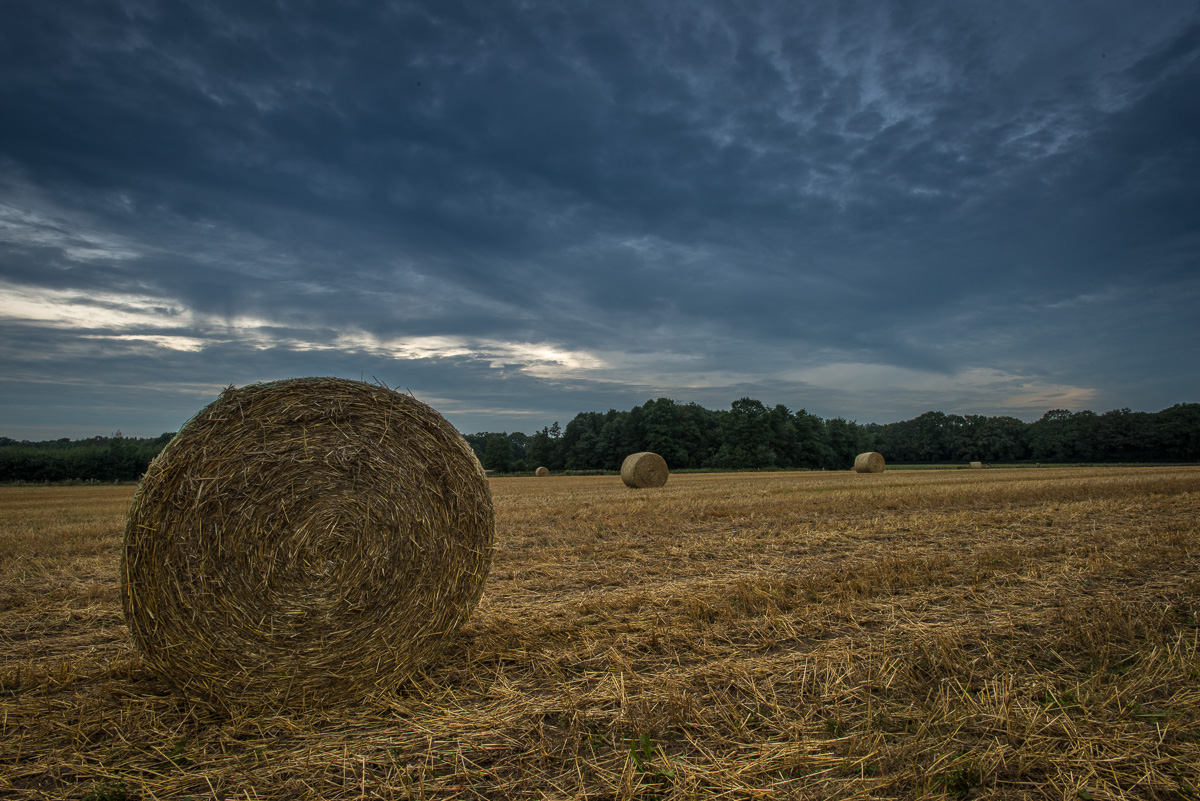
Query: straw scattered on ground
x: 951, y: 634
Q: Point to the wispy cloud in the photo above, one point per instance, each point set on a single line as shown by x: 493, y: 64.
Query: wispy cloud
x: 526, y: 210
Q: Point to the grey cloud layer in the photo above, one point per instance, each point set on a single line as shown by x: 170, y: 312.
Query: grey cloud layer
x: 749, y: 194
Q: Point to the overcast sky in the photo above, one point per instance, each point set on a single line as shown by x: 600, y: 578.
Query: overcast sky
x: 519, y: 210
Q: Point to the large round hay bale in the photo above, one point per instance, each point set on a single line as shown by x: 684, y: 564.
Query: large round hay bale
x: 641, y: 470
x: 870, y: 462
x: 304, y: 542
x: 541, y: 472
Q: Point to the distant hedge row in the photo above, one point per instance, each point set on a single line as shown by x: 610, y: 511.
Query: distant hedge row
x: 748, y: 435
x: 114, y: 458
x: 1171, y: 435
x: 751, y: 435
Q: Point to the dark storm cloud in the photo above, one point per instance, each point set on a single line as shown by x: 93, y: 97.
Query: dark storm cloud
x: 543, y: 208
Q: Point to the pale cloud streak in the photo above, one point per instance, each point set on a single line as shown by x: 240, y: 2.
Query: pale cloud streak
x: 76, y: 239
x: 170, y: 325
x: 533, y: 210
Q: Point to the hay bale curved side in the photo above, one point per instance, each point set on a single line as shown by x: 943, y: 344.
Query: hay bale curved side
x: 870, y: 462
x: 644, y: 470
x: 304, y: 542
x: 541, y: 472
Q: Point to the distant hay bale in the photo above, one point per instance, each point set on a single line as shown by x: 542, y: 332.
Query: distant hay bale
x: 541, y: 472
x: 976, y: 465
x: 643, y: 470
x: 303, y: 543
x: 870, y: 462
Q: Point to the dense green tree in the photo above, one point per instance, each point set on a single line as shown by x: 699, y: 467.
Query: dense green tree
x: 1122, y: 435
x: 782, y: 440
x: 811, y: 445
x: 477, y: 442
x: 115, y: 458
x: 1006, y: 439
x: 897, y: 441
x: 611, y: 442
x: 1175, y: 432
x: 987, y: 439
x: 1084, y: 427
x: 746, y: 436
x: 545, y: 448
x: 497, y: 453
x: 667, y: 433
x: 583, y: 455
x: 1050, y: 438
x: 699, y: 427
x: 518, y: 445
x: 845, y: 441
x: 935, y: 432
x: 633, y: 433
x: 579, y: 441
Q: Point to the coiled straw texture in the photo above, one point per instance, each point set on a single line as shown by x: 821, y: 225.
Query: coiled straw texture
x: 305, y: 543
x: 870, y: 462
x: 644, y: 470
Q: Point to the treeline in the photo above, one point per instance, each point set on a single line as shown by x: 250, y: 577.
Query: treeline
x: 115, y: 458
x: 1172, y: 435
x: 749, y: 435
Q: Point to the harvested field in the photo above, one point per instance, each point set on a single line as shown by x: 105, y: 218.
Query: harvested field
x: 1005, y: 633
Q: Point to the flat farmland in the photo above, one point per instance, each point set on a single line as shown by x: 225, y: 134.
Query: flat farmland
x: 1005, y: 633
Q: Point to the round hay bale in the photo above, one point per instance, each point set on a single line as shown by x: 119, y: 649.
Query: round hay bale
x: 976, y: 465
x: 870, y: 462
x: 641, y: 470
x: 541, y: 472
x: 303, y: 543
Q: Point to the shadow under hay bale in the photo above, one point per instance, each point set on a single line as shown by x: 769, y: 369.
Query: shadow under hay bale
x: 303, y: 543
x: 644, y: 470
x: 870, y: 462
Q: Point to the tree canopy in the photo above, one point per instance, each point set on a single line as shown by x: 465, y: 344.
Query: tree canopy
x: 112, y: 458
x: 747, y: 435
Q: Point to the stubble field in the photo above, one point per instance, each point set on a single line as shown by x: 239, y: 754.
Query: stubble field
x: 1006, y: 633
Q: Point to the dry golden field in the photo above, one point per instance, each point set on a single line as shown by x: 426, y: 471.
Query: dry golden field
x: 1007, y: 633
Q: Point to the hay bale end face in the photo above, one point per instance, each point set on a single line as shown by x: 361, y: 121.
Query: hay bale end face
x: 303, y: 543
x: 541, y: 472
x: 870, y: 462
x: 644, y: 470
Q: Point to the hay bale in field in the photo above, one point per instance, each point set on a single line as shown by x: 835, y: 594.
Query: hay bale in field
x: 976, y: 465
x: 870, y: 462
x: 305, y: 542
x: 642, y: 470
x: 541, y: 472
